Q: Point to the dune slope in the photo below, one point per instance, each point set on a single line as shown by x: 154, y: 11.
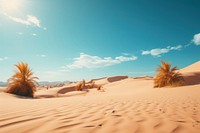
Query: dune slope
x: 191, y: 73
x: 126, y: 106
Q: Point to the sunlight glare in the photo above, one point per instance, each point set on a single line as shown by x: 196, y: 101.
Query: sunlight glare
x: 10, y: 5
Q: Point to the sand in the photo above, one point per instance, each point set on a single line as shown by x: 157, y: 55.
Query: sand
x: 129, y: 105
x: 191, y: 73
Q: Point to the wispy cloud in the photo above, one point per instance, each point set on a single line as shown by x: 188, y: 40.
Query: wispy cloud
x: 90, y: 61
x: 34, y: 34
x: 178, y: 47
x: 126, y: 54
x: 3, y: 58
x: 42, y: 55
x: 30, y: 20
x: 20, y: 33
x: 157, y: 52
x: 196, y: 39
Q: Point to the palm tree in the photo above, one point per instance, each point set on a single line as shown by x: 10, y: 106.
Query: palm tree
x: 22, y: 82
x: 168, y: 76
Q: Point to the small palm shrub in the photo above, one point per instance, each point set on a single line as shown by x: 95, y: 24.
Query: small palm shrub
x: 22, y: 82
x: 167, y: 76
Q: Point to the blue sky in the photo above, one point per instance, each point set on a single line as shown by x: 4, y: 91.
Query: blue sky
x: 83, y: 39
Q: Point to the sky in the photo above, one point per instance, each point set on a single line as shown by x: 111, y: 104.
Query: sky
x: 84, y: 39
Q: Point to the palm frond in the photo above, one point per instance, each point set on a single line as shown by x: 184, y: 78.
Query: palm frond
x: 167, y: 76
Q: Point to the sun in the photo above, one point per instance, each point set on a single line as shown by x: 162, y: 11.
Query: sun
x: 10, y: 5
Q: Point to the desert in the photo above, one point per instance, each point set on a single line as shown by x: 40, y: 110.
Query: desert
x: 126, y: 105
x: 99, y: 66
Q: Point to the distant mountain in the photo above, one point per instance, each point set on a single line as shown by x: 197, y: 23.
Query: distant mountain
x: 41, y: 83
x: 44, y: 83
x: 3, y: 83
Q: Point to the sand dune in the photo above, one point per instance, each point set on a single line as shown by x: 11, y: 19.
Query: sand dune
x: 66, y: 89
x: 106, y: 80
x: 116, y: 78
x: 100, y: 81
x: 128, y: 105
x: 2, y: 89
x: 192, y: 78
x: 144, y: 77
x: 191, y: 73
x: 192, y: 68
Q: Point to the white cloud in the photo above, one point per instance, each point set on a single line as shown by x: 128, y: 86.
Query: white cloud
x: 34, y: 34
x: 19, y: 20
x: 3, y: 58
x: 159, y: 51
x: 20, y: 33
x: 123, y: 58
x: 29, y: 21
x: 42, y: 55
x: 196, y: 39
x: 126, y: 54
x: 178, y: 47
x: 187, y: 45
x: 33, y: 20
x: 89, y: 61
x: 155, y: 52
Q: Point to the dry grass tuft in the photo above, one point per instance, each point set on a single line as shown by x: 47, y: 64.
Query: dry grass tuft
x: 80, y: 86
x: 100, y: 88
x: 168, y: 76
x: 83, y: 84
x: 22, y: 82
x: 92, y: 85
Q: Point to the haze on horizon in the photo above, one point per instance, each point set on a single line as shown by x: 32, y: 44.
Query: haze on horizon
x: 75, y: 40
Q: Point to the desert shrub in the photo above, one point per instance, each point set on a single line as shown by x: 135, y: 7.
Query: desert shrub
x: 167, y: 76
x: 22, y: 82
x: 83, y: 84
x: 99, y: 87
x: 92, y: 85
x: 80, y: 86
